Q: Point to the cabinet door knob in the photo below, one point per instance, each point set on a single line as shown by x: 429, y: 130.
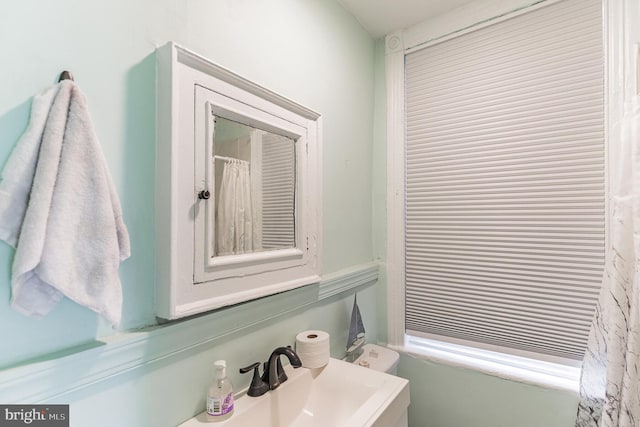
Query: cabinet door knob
x: 204, y: 195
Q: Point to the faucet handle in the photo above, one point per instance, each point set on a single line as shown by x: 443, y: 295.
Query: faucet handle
x: 258, y: 387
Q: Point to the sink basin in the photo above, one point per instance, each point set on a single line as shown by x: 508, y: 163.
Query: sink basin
x: 340, y: 394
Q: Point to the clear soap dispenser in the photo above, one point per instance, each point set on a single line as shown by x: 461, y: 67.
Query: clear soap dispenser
x: 220, y: 394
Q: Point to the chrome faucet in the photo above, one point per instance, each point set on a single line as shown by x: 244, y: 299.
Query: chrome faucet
x: 273, y: 373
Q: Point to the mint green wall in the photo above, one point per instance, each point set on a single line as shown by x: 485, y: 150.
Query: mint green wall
x: 311, y: 51
x: 447, y: 396
x: 168, y: 390
x: 379, y: 180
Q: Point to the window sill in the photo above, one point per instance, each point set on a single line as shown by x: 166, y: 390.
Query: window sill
x: 535, y: 372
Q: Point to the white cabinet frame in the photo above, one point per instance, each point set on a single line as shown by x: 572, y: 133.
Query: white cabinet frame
x: 189, y: 281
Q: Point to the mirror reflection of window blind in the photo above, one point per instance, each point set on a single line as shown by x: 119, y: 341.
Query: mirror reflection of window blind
x: 505, y: 185
x: 278, y: 192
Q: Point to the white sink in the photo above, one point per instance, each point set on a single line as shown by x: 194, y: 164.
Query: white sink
x: 340, y: 394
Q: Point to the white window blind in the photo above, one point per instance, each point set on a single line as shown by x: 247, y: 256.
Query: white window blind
x: 278, y: 192
x: 505, y: 182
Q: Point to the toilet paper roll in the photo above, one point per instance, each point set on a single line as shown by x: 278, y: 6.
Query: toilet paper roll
x: 313, y: 348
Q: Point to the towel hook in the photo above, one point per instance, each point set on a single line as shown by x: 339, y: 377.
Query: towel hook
x: 65, y: 75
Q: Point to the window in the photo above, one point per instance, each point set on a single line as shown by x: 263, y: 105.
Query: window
x: 504, y: 184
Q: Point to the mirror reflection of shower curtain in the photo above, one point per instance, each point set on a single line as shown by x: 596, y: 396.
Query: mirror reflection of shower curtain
x: 234, y: 221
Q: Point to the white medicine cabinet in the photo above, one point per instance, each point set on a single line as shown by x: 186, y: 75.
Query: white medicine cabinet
x: 237, y: 188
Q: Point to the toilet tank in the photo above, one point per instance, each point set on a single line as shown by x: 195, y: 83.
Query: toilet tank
x: 379, y: 358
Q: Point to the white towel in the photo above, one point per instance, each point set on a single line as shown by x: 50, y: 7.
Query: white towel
x: 59, y: 209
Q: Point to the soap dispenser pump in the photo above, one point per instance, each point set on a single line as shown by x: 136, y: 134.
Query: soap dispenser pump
x: 220, y: 394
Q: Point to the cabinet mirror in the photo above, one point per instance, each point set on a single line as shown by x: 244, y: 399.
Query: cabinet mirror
x: 254, y: 187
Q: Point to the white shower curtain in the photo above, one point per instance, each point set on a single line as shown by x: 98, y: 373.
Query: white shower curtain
x: 610, y: 383
x: 234, y: 221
